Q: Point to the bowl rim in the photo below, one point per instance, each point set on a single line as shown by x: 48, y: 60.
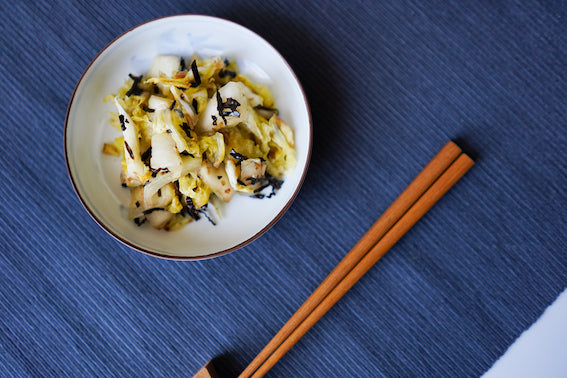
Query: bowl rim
x: 132, y: 245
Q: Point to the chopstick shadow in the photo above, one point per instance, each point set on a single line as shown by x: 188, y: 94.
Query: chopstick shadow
x: 226, y: 366
x: 467, y: 148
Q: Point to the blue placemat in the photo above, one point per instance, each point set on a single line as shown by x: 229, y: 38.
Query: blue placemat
x: 389, y: 83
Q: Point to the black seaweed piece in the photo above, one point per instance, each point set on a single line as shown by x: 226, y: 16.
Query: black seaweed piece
x: 196, y: 75
x: 253, y: 180
x: 237, y: 156
x: 148, y: 110
x: 140, y: 220
x: 195, y: 106
x: 172, y: 105
x: 122, y: 122
x: 185, y: 127
x: 208, y: 217
x: 190, y: 210
x: 129, y: 149
x: 182, y: 66
x: 176, y: 187
x: 147, y: 155
x: 231, y: 104
x: 220, y: 108
x: 223, y: 73
x: 149, y: 211
x: 135, y: 89
x: 269, y: 180
x: 156, y: 171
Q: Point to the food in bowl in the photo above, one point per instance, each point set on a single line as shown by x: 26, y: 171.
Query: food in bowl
x: 194, y: 136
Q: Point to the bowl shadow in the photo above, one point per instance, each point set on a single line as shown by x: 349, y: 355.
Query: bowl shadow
x: 312, y: 65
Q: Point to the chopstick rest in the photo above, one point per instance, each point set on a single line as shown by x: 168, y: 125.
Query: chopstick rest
x: 437, y: 177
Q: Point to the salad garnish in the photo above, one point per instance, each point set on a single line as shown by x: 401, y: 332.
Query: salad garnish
x: 193, y: 137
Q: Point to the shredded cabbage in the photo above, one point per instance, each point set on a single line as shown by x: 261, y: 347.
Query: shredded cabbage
x: 193, y: 136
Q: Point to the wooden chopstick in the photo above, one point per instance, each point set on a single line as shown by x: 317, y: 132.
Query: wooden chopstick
x: 431, y: 196
x: 409, y: 206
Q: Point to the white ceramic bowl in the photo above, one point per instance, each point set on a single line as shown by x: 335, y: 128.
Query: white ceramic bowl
x: 95, y: 176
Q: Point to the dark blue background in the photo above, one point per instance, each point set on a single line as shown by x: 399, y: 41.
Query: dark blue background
x: 389, y: 83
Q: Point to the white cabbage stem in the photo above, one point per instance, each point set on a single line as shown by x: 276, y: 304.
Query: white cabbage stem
x: 136, y: 170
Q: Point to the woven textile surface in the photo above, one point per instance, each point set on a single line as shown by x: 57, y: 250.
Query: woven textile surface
x: 388, y: 84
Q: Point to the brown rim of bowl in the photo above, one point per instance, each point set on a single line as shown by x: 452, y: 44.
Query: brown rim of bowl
x: 215, y: 254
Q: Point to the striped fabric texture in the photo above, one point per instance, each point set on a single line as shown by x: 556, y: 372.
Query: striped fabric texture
x: 388, y: 82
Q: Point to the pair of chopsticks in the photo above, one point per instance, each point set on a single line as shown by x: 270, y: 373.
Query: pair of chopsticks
x: 438, y: 176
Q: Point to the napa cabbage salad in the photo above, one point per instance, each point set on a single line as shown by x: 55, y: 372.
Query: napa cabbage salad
x: 192, y: 137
